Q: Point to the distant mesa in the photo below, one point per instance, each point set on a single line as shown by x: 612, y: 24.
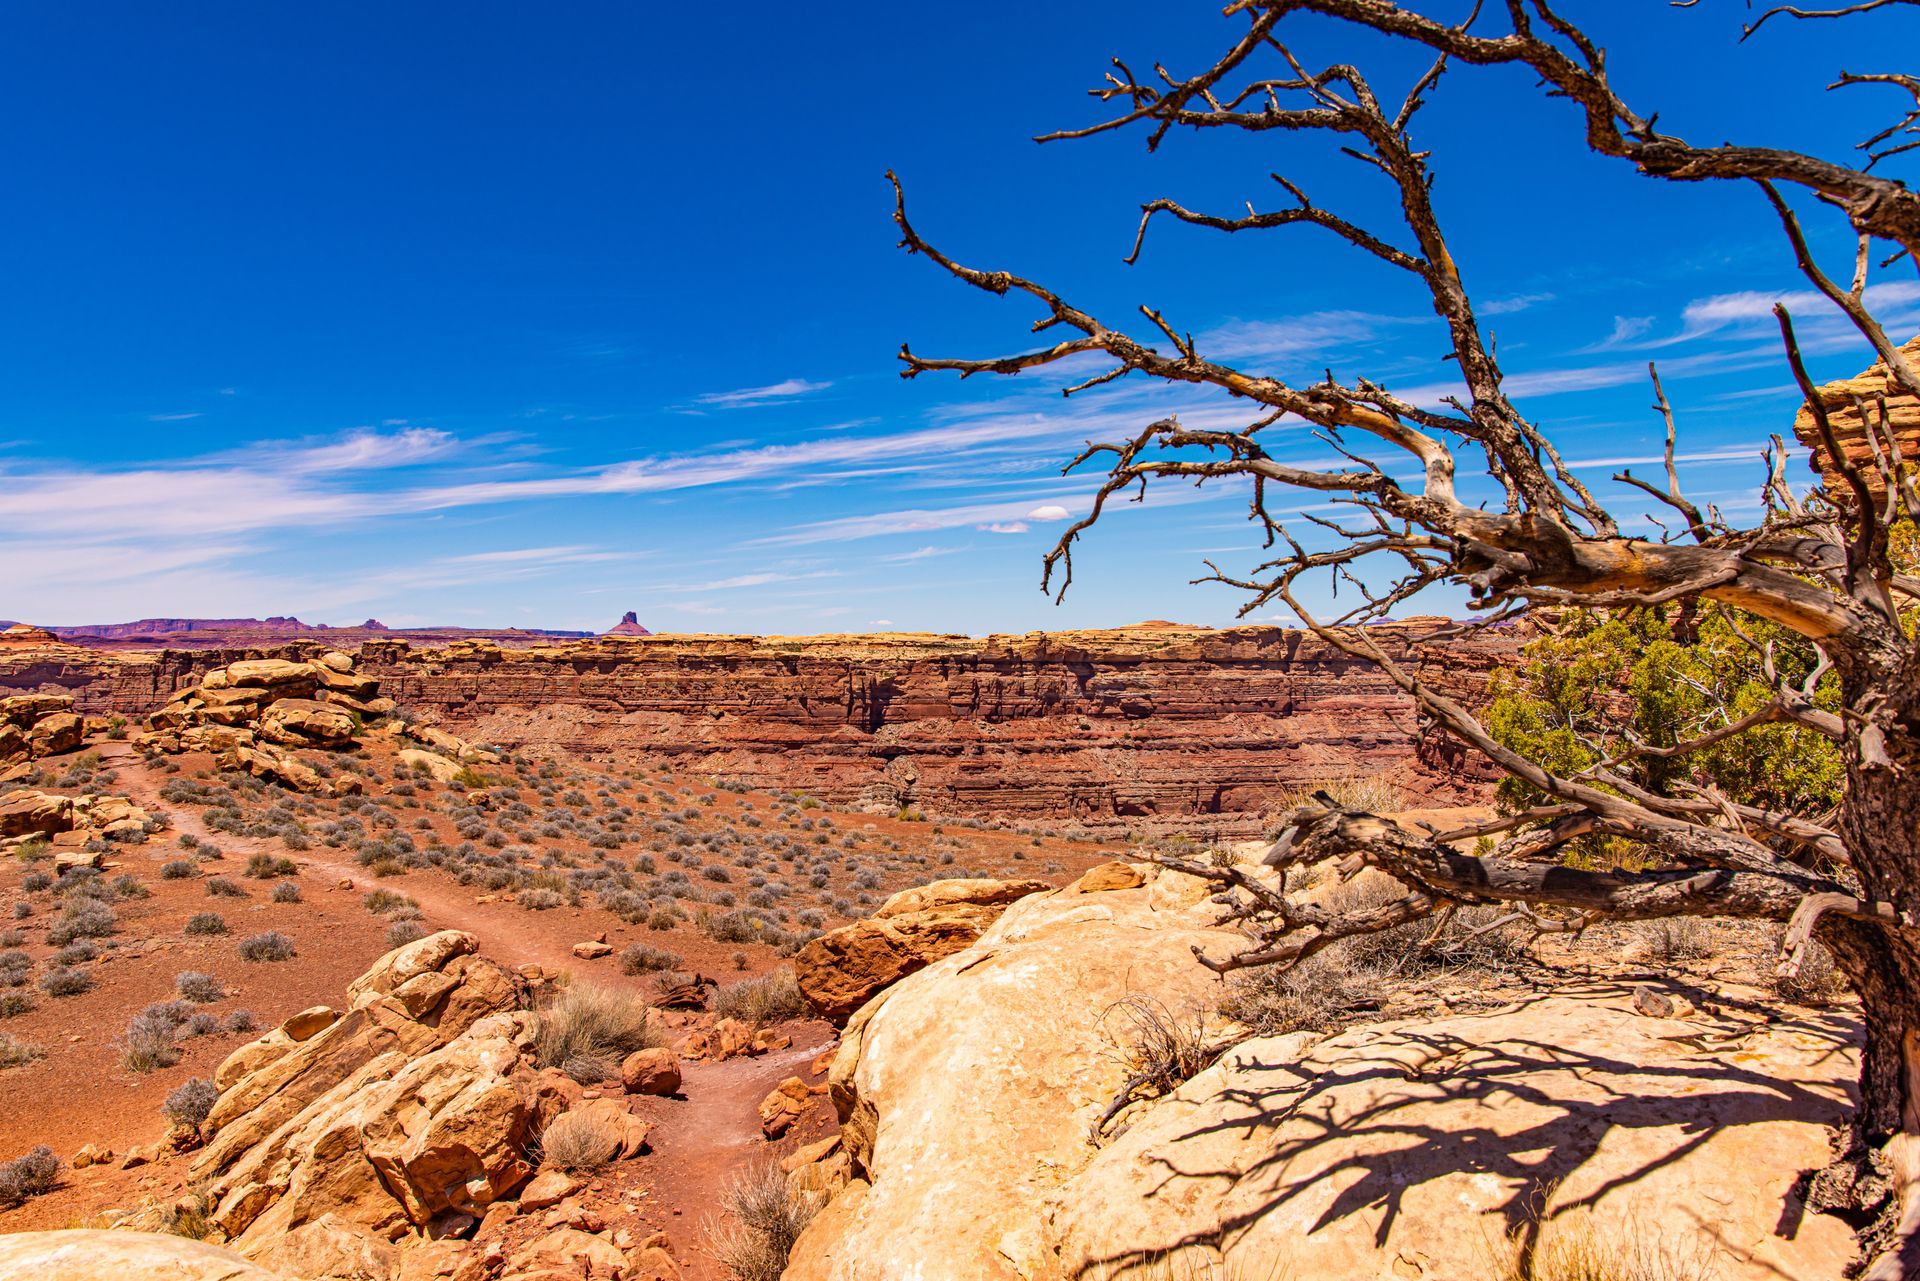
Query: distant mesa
x: 212, y: 633
x: 26, y: 634
x: 629, y: 625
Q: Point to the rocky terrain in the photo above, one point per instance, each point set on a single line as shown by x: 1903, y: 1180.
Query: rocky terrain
x: 1162, y: 727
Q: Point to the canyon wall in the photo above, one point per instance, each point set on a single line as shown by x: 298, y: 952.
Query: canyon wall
x: 1179, y: 727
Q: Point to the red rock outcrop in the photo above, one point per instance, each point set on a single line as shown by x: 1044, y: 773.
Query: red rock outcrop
x: 1179, y: 726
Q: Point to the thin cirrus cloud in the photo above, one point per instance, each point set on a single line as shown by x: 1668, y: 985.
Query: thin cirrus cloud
x: 786, y: 389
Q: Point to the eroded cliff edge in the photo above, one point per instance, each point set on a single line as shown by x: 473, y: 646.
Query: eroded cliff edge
x: 1177, y: 726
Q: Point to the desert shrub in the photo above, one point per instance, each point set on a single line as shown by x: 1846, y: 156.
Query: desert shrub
x: 242, y: 1021
x: 177, y: 870
x: 202, y: 1023
x: 400, y: 933
x: 224, y: 887
x: 149, y: 1043
x: 1819, y: 981
x: 127, y: 885
x: 28, y: 1176
x: 1161, y: 1047
x: 579, y: 1141
x: 35, y: 882
x: 81, y: 920
x: 644, y: 959
x: 1675, y: 938
x: 14, y: 1004
x: 14, y: 968
x: 1321, y: 994
x: 14, y: 1051
x: 286, y: 892
x: 381, y: 902
x: 198, y: 987
x: 539, y: 900
x: 61, y: 981
x: 767, y: 999
x: 587, y: 1030
x: 270, y: 946
x: 265, y: 867
x: 763, y: 1218
x: 190, y: 1101
x: 206, y: 923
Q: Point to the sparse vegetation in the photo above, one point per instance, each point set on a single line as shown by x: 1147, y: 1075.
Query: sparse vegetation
x: 286, y: 892
x: 190, y: 1101
x: 579, y: 1141
x: 269, y: 946
x: 206, y: 923
x: 61, y: 981
x: 14, y: 1051
x: 762, y: 1219
x: 31, y: 1175
x: 641, y: 958
x: 198, y: 987
x: 401, y: 933
x: 759, y: 1001
x: 1162, y: 1048
x: 151, y: 1039
x: 587, y: 1030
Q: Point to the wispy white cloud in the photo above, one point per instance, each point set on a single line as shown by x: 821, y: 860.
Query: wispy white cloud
x: 786, y: 389
x: 365, y: 450
x: 1314, y: 333
x: 1006, y: 527
x: 172, y: 418
x: 1049, y: 511
x: 1516, y: 303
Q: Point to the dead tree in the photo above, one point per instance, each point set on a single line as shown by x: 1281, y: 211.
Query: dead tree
x: 1818, y: 566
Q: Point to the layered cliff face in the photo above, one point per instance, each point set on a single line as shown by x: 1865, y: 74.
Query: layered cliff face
x: 1177, y: 726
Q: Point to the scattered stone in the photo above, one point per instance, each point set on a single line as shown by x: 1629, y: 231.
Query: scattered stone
x: 592, y: 951
x: 654, y: 1071
x: 548, y: 1188
x: 842, y: 970
x: 1109, y: 876
x: 781, y: 1109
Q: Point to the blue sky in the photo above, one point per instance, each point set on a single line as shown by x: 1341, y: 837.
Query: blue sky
x: 496, y: 315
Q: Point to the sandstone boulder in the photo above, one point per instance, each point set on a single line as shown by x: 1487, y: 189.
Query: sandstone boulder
x: 784, y: 1106
x: 966, y: 1091
x: 277, y: 674
x: 51, y: 735
x: 654, y: 1071
x: 1408, y: 1150
x: 843, y: 969
x: 416, y: 1104
x: 302, y: 722
x: 1419, y: 1146
x: 435, y: 766
x: 90, y: 1255
x: 26, y: 812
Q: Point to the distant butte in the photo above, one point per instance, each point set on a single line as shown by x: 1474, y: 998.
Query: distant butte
x: 629, y: 625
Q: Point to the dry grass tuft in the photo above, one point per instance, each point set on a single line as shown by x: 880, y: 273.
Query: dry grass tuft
x: 1572, y: 1247
x: 1163, y: 1050
x: 1675, y: 938
x: 588, y: 1030
x: 756, y: 1002
x: 579, y: 1141
x: 764, y: 1217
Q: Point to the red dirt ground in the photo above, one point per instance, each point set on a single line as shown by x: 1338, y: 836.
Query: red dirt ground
x: 80, y: 1092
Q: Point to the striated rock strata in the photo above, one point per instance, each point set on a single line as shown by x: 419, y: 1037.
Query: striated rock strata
x: 1181, y: 726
